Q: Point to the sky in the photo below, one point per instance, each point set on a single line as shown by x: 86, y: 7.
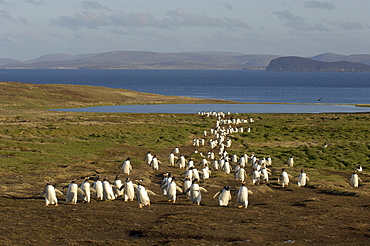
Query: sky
x: 33, y: 28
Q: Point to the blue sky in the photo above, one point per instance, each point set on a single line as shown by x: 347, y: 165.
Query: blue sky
x: 32, y: 28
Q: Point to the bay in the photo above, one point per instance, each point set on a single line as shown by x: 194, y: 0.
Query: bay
x: 234, y: 85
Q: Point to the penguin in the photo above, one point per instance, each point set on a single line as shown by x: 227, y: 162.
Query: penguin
x: 126, y: 166
x: 85, y: 187
x: 224, y: 196
x: 182, y: 162
x: 176, y: 150
x: 117, y: 184
x: 190, y: 163
x: 354, y: 180
x: 359, y: 168
x: 264, y: 174
x: 128, y: 190
x: 50, y: 194
x: 172, y: 159
x: 172, y: 189
x: 155, y: 163
x: 98, y: 186
x: 187, y: 184
x: 143, y: 196
x: 284, y: 178
x: 302, y: 178
x: 195, y: 192
x: 241, y: 175
x: 205, y: 173
x: 242, y: 196
x: 256, y: 176
x: 108, y: 193
x: 148, y: 158
x: 72, y: 192
x: 167, y: 178
x: 290, y: 161
x: 226, y: 167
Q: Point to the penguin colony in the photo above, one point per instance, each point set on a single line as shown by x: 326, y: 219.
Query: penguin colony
x: 196, y: 170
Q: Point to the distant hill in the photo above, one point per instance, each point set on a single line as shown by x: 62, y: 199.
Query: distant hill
x: 331, y: 57
x: 146, y: 60
x: 4, y: 61
x: 183, y: 60
x: 294, y: 63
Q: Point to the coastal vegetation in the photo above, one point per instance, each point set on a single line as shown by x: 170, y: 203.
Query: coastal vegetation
x: 39, y: 145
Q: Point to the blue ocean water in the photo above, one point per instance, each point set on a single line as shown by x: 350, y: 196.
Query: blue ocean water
x: 235, y: 85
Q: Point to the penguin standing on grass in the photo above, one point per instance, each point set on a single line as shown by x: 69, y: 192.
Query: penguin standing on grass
x: 354, y: 180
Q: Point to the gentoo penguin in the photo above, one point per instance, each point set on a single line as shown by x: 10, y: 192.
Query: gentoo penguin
x: 128, y: 190
x: 205, y: 173
x: 264, y: 174
x: 290, y: 161
x: 224, y: 196
x: 172, y: 189
x: 354, y: 180
x: 359, y: 168
x: 190, y: 163
x: 126, y: 166
x: 302, y: 178
x: 284, y: 178
x: 176, y: 150
x: 107, y: 190
x: 50, y: 195
x: 85, y: 187
x: 148, y: 158
x: 142, y: 195
x: 167, y: 178
x: 187, y: 184
x: 72, y: 192
x: 226, y: 167
x: 172, y: 159
x: 241, y: 175
x: 256, y: 176
x: 117, y: 184
x: 98, y: 186
x: 242, y: 196
x: 155, y: 163
x: 182, y: 162
x: 195, y: 192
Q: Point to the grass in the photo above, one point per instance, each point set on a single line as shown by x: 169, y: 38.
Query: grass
x: 48, y: 144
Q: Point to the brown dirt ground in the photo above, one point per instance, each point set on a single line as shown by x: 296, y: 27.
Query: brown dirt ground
x: 275, y: 216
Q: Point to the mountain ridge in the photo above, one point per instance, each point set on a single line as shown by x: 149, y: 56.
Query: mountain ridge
x: 161, y: 60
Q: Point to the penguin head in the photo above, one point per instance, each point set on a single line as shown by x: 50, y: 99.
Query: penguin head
x: 195, y: 181
x: 227, y: 187
x: 128, y: 179
x: 73, y: 181
x: 117, y: 177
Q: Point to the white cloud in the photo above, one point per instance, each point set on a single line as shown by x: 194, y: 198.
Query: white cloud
x: 299, y: 23
x: 319, y: 5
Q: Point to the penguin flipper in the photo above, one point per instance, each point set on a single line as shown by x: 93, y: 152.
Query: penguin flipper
x: 151, y: 192
x: 178, y: 189
x: 80, y: 192
x: 217, y: 193
x: 92, y: 190
x: 202, y: 189
x: 135, y: 186
x: 250, y: 192
x: 43, y: 193
x: 58, y: 192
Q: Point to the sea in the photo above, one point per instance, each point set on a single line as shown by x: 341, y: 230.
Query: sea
x: 234, y: 85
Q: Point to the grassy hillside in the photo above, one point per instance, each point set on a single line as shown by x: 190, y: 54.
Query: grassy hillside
x: 47, y: 145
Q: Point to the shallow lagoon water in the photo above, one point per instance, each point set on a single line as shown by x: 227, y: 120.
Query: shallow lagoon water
x: 232, y: 108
